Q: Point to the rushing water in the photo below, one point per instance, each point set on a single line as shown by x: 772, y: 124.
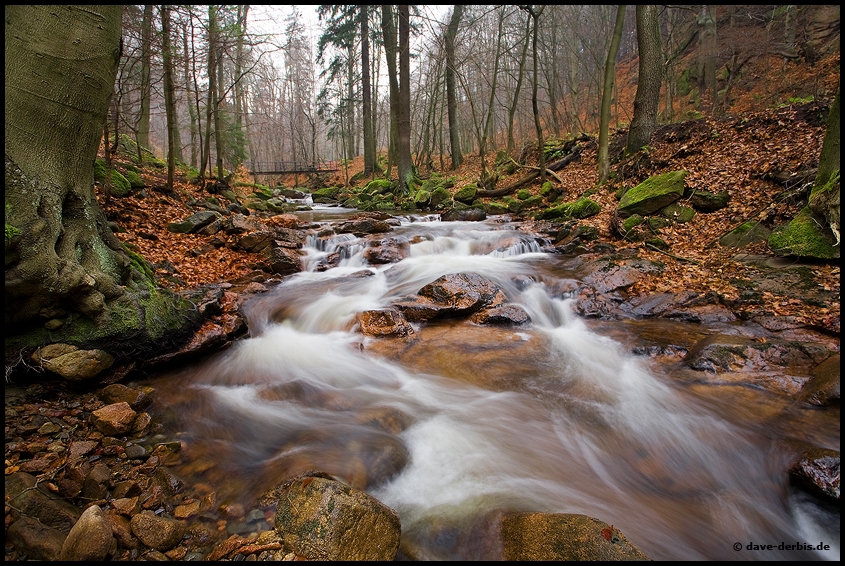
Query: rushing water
x: 553, y: 416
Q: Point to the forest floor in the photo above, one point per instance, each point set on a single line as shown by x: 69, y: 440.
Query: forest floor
x: 761, y: 158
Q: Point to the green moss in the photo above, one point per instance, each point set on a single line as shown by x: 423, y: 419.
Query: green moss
x: 134, y: 179
x: 119, y: 185
x: 584, y: 208
x: 496, y: 208
x: 466, y: 194
x: 546, y: 189
x: 532, y: 202
x: 803, y: 237
x: 523, y: 194
x: 653, y: 194
x: 440, y: 196
x: 99, y: 170
x: 632, y: 222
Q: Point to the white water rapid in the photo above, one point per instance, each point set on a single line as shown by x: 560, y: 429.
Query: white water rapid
x: 550, y: 416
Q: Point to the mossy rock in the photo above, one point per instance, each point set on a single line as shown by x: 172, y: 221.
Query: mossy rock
x: 134, y: 179
x: 467, y: 194
x: 441, y: 197
x: 378, y: 186
x: 514, y: 206
x: 99, y: 170
x: 553, y: 212
x: 546, y: 189
x: 120, y: 186
x: 658, y: 243
x: 523, y: 194
x: 496, y: 208
x: 325, y: 192
x: 804, y: 236
x: 351, y: 203
x: 256, y: 204
x: 658, y: 222
x: 422, y: 198
x: 532, y: 202
x: 632, y: 222
x: 678, y: 213
x: 653, y: 194
x: 584, y: 208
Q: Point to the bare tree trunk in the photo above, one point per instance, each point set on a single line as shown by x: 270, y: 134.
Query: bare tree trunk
x: 191, y: 95
x: 212, y: 84
x: 143, y: 137
x: 520, y: 75
x: 218, y: 130
x: 240, y: 99
x: 603, y: 162
x: 389, y: 33
x: 451, y: 98
x: 707, y: 38
x: 169, y: 97
x: 535, y: 15
x: 647, y: 97
x: 369, y: 140
x: 406, y: 172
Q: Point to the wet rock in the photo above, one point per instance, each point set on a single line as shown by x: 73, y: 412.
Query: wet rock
x: 72, y: 363
x: 282, y: 261
x: 363, y: 226
x: 388, y: 250
x: 823, y: 387
x: 384, y: 322
x: 707, y: 201
x: 463, y: 215
x: 96, y: 484
x: 37, y: 502
x: 559, y: 536
x: 416, y: 309
x: 90, y: 538
x: 158, y: 533
x: 115, y: 419
x: 460, y: 293
x: 504, y: 314
x: 116, y: 392
x: 323, y: 519
x: 606, y: 274
x: 35, y: 540
x: 817, y: 470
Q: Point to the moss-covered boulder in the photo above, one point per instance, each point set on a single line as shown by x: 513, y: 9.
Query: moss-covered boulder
x: 523, y: 194
x: 496, y: 208
x: 532, y: 202
x: 467, y: 194
x: 805, y: 236
x: 441, y: 197
x: 706, y: 201
x: 134, y: 179
x: 678, y: 213
x: 378, y: 186
x: 653, y: 194
x: 584, y: 208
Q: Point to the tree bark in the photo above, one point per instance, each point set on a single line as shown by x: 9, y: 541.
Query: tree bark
x: 451, y: 98
x: 602, y: 159
x: 369, y: 140
x: 824, y: 198
x: 520, y: 75
x: 64, y: 263
x: 143, y: 137
x: 389, y: 34
x: 169, y: 94
x: 650, y: 68
x: 406, y: 172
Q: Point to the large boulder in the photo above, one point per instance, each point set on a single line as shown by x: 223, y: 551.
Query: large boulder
x: 322, y: 519
x: 653, y: 194
x: 804, y: 236
x: 461, y: 293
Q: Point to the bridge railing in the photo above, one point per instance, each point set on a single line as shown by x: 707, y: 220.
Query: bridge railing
x: 258, y: 167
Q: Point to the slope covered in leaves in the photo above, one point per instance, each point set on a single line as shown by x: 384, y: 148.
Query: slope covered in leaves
x: 764, y: 159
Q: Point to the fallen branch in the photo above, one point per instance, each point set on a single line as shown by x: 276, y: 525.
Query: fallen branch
x: 551, y: 168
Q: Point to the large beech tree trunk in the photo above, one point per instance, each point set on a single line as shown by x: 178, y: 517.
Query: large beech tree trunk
x: 63, y: 263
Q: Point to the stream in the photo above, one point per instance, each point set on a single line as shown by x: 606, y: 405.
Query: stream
x: 460, y: 420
